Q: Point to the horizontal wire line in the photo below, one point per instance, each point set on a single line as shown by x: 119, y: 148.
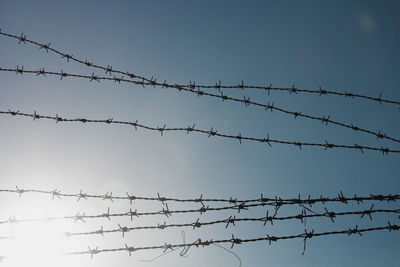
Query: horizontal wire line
x: 218, y: 86
x: 237, y: 241
x: 232, y: 200
x: 277, y: 203
x: 198, y: 92
x: 165, y: 211
x: 232, y: 220
x: 212, y: 132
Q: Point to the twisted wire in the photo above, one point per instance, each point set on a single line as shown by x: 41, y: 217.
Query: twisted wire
x: 134, y: 213
x: 211, y: 132
x: 277, y: 201
x: 246, y: 101
x: 218, y: 86
x: 237, y: 241
x: 232, y: 220
x: 165, y: 211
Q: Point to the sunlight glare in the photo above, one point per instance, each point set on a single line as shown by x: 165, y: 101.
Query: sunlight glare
x: 38, y: 244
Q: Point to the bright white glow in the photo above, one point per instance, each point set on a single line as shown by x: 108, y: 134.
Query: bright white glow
x: 37, y: 244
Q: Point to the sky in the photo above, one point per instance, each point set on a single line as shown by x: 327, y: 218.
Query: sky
x: 338, y: 45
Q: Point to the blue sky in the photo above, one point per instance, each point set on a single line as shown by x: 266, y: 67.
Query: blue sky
x: 340, y: 45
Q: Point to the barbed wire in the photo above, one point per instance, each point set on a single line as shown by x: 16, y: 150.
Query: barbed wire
x: 165, y: 211
x: 212, y: 132
x: 218, y: 86
x: 277, y: 201
x: 325, y: 120
x: 232, y: 220
x: 237, y: 241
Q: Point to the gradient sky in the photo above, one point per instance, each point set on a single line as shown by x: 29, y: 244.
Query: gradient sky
x: 339, y: 45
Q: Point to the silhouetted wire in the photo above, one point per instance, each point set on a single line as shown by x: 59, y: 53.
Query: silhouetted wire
x: 218, y: 86
x: 212, y: 132
x: 182, y: 253
x: 165, y: 211
x: 134, y: 213
x: 198, y: 92
x: 232, y: 220
x: 108, y: 196
x: 237, y: 241
x: 187, y: 249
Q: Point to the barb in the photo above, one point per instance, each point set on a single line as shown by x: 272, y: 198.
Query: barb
x: 237, y: 241
x: 198, y: 92
x: 267, y: 88
x: 232, y: 220
x: 212, y: 132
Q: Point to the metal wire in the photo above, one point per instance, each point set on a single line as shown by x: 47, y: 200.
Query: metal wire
x: 276, y: 201
x: 165, y: 211
x: 218, y: 86
x: 134, y: 213
x: 237, y: 241
x: 246, y: 101
x: 232, y: 220
x: 212, y: 132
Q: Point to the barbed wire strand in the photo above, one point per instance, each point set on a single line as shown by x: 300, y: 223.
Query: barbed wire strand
x: 211, y: 132
x: 165, y: 211
x: 108, y: 196
x: 185, y: 250
x: 237, y: 241
x: 326, y: 120
x: 81, y: 217
x: 232, y: 220
x: 218, y: 86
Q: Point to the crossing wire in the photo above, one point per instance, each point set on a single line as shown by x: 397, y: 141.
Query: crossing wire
x: 246, y: 101
x: 218, y: 86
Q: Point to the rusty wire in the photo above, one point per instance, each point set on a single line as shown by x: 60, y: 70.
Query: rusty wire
x: 324, y: 119
x: 232, y: 220
x: 218, y: 86
x: 237, y: 241
x: 210, y: 133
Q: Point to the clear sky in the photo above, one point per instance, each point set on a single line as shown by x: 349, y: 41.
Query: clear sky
x: 339, y: 45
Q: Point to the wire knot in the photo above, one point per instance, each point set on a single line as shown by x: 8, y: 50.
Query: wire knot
x: 22, y: 38
x: 197, y: 224
x: 235, y: 241
x: 108, y: 196
x: 130, y: 249
x: 46, y: 47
